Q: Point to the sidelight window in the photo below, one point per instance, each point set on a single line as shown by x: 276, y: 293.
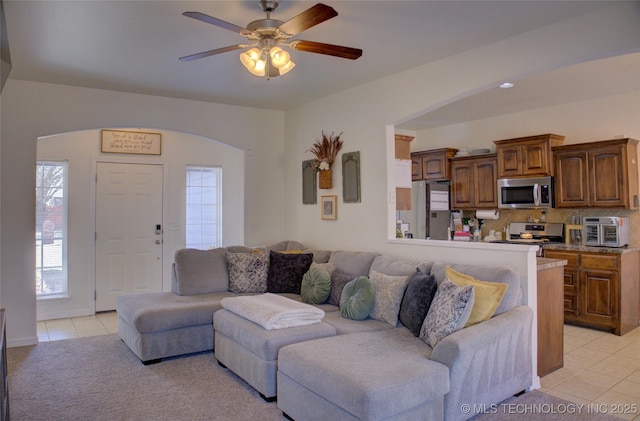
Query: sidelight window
x: 51, y: 229
x: 204, y: 205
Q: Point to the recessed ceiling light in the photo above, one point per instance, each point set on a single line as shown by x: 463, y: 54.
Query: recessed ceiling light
x: 506, y: 85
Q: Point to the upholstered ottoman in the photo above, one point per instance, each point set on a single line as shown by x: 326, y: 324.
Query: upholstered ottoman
x: 251, y: 351
x: 385, y: 375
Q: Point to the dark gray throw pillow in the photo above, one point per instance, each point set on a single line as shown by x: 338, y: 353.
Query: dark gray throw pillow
x: 339, y: 279
x: 417, y: 299
x: 286, y: 271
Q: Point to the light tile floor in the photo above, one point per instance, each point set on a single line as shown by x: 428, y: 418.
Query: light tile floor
x: 599, y: 368
x: 77, y: 327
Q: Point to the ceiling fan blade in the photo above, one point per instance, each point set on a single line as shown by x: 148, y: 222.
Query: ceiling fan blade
x: 328, y: 49
x: 218, y: 22
x: 213, y: 52
x: 305, y: 20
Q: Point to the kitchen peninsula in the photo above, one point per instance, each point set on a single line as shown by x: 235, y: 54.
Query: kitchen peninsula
x: 550, y: 314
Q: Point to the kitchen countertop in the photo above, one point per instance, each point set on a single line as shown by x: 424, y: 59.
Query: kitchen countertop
x: 590, y: 249
x: 547, y: 263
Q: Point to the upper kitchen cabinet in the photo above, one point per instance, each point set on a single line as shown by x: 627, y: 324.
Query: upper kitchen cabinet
x: 432, y: 164
x: 526, y: 156
x: 473, y: 182
x: 598, y: 174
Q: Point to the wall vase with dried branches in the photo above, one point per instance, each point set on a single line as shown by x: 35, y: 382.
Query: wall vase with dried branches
x: 325, y: 150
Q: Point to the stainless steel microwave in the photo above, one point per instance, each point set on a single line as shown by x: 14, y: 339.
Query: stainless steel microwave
x: 525, y: 193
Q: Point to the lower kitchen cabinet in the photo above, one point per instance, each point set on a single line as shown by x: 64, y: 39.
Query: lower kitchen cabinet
x: 601, y: 288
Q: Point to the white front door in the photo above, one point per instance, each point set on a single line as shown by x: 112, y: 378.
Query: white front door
x: 128, y: 245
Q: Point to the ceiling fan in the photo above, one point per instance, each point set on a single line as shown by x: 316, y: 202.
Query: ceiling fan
x: 265, y: 55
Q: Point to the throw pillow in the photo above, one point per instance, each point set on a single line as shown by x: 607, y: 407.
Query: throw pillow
x: 316, y: 285
x: 339, y: 279
x: 388, y: 296
x: 329, y: 267
x: 488, y: 295
x: 448, y: 313
x: 248, y: 271
x: 286, y: 271
x: 417, y: 299
x: 357, y: 299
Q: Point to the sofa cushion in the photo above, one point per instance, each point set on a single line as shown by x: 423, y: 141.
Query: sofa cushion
x: 243, y: 249
x: 388, y: 296
x: 449, y: 312
x: 199, y: 271
x: 286, y: 271
x: 162, y: 311
x: 421, y: 288
x: 286, y: 245
x: 319, y: 256
x: 356, y: 300
x: 339, y: 279
x: 316, y: 285
x: 487, y: 295
x: 356, y: 262
x: 513, y: 296
x: 401, y: 377
x: 248, y: 271
x: 344, y: 326
x: 399, y: 267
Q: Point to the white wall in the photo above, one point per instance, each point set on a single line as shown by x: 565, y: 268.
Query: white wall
x: 32, y: 110
x: 584, y: 121
x: 81, y: 150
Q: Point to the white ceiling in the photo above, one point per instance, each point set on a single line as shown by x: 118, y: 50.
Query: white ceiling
x: 134, y: 46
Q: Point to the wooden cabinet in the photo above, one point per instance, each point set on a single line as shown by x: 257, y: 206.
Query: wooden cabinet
x: 403, y: 152
x: 598, y: 174
x: 526, y: 156
x: 550, y: 320
x: 601, y: 289
x: 473, y: 182
x: 432, y: 164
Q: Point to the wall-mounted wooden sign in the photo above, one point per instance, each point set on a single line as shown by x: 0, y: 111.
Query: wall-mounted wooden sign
x: 119, y: 141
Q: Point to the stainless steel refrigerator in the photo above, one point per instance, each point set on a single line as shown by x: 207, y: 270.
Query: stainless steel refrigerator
x: 430, y: 215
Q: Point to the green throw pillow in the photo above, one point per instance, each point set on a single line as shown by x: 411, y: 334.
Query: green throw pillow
x: 357, y: 297
x: 316, y: 286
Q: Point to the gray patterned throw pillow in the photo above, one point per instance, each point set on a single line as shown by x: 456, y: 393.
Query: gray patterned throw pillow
x: 388, y: 296
x: 248, y: 271
x: 449, y: 311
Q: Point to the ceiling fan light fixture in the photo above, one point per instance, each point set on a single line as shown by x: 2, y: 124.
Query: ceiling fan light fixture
x: 287, y: 67
x: 269, y: 35
x: 279, y: 57
x: 252, y: 60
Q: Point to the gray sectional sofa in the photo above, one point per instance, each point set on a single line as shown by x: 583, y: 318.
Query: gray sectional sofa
x: 367, y: 370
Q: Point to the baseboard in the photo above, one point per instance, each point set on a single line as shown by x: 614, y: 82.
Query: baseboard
x: 29, y: 340
x: 64, y: 314
x: 536, y: 383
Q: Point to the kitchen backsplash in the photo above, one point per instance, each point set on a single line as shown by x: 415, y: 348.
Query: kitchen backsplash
x: 559, y: 215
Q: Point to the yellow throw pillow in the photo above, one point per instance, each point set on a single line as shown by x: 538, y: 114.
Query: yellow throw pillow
x: 487, y: 295
x: 291, y: 252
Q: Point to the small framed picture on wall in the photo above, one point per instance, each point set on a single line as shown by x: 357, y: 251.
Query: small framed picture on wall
x: 328, y: 207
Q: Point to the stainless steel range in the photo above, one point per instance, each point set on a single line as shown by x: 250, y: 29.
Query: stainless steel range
x: 539, y: 233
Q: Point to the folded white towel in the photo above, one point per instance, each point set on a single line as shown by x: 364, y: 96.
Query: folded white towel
x: 273, y: 311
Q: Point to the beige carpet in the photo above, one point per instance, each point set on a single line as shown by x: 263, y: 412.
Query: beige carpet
x: 99, y: 378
